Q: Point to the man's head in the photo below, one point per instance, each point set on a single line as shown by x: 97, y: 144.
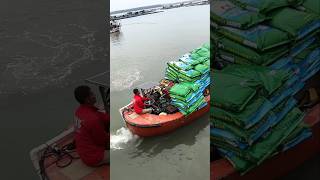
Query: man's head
x: 136, y: 91
x: 84, y: 95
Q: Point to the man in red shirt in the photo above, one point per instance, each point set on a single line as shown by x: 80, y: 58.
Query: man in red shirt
x: 92, y: 134
x: 138, y: 103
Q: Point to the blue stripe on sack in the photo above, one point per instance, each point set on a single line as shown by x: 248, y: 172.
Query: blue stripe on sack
x: 301, y: 137
x: 308, y: 29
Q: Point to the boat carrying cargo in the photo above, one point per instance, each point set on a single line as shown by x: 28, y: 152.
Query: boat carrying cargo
x: 177, y: 100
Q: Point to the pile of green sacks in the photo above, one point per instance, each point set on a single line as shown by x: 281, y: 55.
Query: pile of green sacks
x: 191, y: 76
x: 253, y: 113
x: 265, y: 32
x: 266, y: 50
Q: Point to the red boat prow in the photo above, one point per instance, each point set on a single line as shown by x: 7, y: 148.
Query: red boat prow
x: 280, y: 164
x: 152, y: 125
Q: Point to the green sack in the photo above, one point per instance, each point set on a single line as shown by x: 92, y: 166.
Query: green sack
x: 185, y: 106
x: 227, y: 145
x: 225, y: 86
x: 266, y: 147
x: 191, y: 85
x: 269, y: 80
x: 178, y: 65
x: 244, y: 135
x: 180, y: 90
x: 302, y: 126
x: 186, y: 109
x: 264, y: 6
x: 207, y: 63
x: 206, y: 45
x: 312, y: 6
x: 200, y: 52
x: 183, y: 98
x: 278, y: 134
x: 260, y: 37
x: 183, y: 78
x: 226, y: 13
x: 305, y: 53
x: 240, y: 119
x: 233, y: 59
x: 297, y: 23
x: 190, y: 73
x: 264, y: 58
x: 202, y: 68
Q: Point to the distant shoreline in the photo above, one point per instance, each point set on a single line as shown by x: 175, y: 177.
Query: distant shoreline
x: 156, y: 6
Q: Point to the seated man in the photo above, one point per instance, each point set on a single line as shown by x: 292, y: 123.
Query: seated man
x: 139, y: 103
x: 92, y: 134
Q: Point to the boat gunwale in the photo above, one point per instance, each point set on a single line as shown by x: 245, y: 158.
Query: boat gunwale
x: 159, y: 125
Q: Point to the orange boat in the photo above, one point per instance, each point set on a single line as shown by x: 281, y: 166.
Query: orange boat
x: 147, y: 125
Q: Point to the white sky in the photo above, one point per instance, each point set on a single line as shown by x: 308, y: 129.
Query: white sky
x: 127, y: 4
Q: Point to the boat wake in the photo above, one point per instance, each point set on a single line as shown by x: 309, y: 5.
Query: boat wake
x: 124, y: 79
x: 123, y: 138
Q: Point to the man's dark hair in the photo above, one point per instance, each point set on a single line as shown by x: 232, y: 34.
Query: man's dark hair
x: 135, y: 91
x: 81, y: 93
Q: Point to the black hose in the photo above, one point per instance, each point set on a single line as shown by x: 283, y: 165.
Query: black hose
x: 59, y: 154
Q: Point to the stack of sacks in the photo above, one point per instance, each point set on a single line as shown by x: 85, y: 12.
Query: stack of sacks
x: 267, y: 33
x: 191, y: 67
x: 199, y: 59
x: 258, y: 120
x: 187, y: 97
x: 191, y: 73
x: 281, y: 34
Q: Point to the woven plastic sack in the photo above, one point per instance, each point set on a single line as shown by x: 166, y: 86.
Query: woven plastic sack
x: 267, y: 79
x: 264, y: 6
x: 180, y: 90
x: 226, y: 13
x: 299, y: 134
x: 225, y: 86
x: 260, y: 37
x: 231, y: 58
x: 193, y: 96
x: 178, y: 65
x: 252, y: 113
x: 200, y: 52
x: 265, y: 148
x: 254, y: 57
x: 202, y: 68
x: 298, y: 23
x: 249, y: 136
x: 312, y: 6
x: 194, y: 86
x: 189, y: 61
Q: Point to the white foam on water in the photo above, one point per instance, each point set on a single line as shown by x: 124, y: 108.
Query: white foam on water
x: 122, y: 138
x: 124, y: 79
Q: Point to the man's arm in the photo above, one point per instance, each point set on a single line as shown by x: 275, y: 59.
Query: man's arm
x: 144, y: 99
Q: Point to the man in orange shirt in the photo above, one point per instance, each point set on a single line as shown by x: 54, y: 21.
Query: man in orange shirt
x: 138, y: 101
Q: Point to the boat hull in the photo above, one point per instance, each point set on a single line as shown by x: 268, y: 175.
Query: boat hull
x: 165, y: 127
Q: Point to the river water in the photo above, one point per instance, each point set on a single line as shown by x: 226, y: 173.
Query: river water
x: 138, y: 54
x: 46, y: 48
